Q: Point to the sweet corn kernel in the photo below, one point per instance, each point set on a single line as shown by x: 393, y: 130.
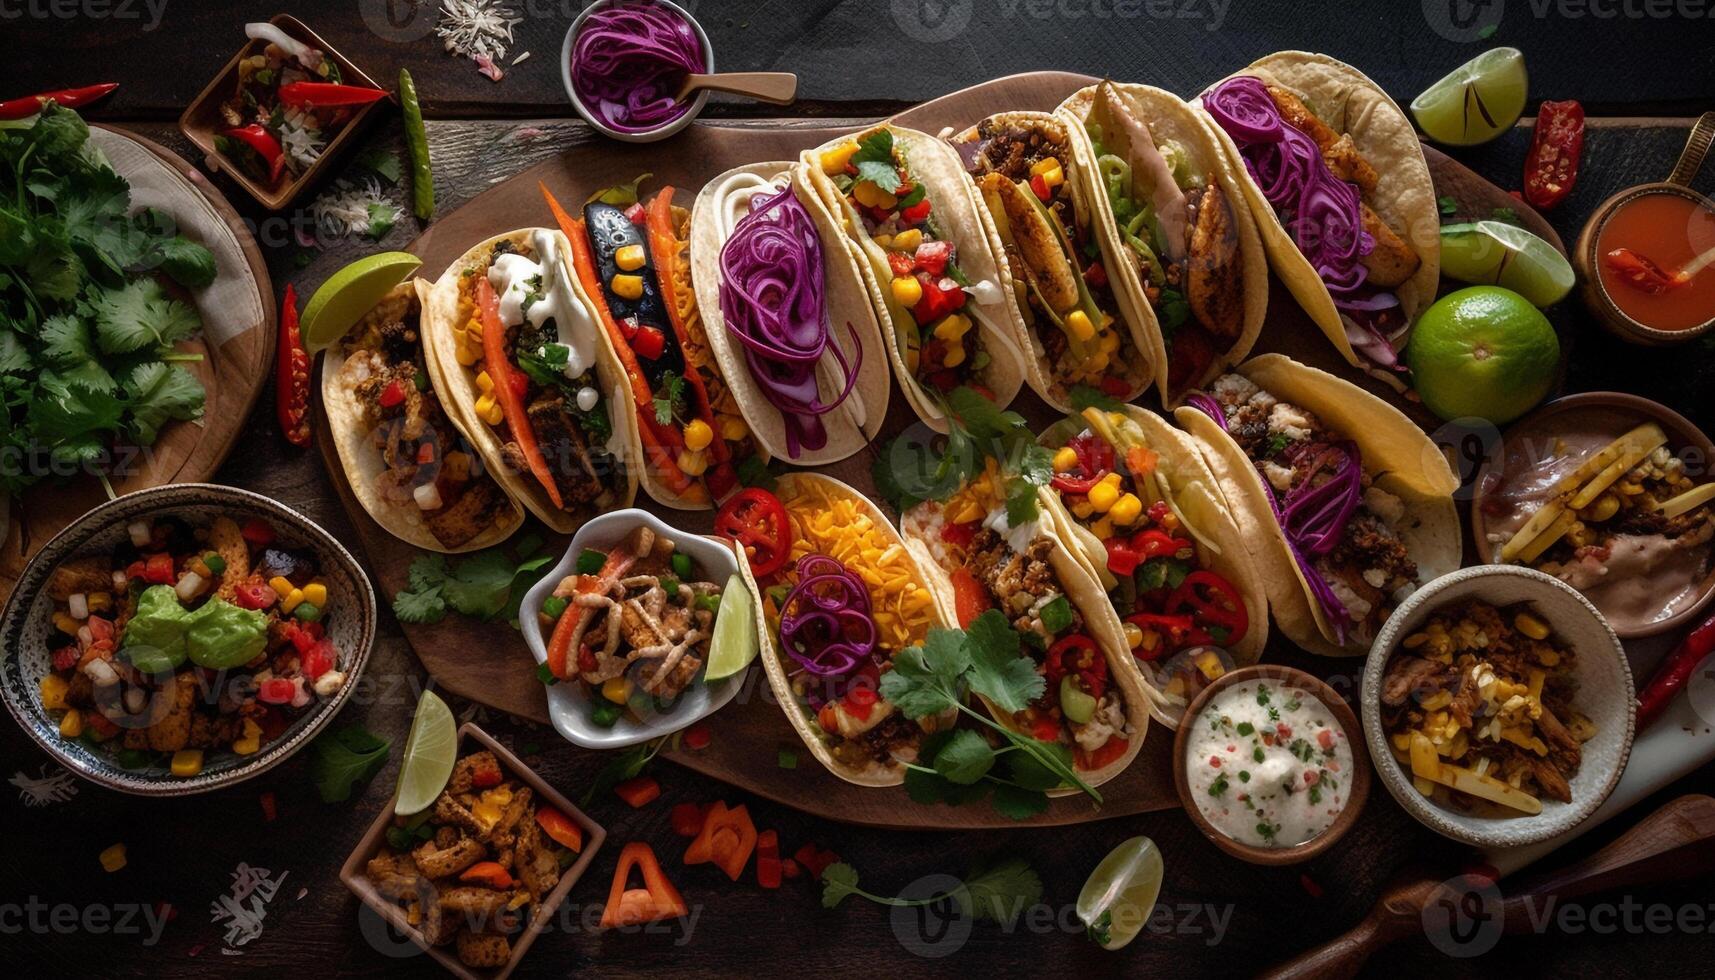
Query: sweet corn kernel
x: 187, y: 762
x: 617, y: 689
x: 1549, y: 658
x: 1133, y: 635
x: 290, y: 600
x: 908, y: 240
x: 1110, y: 342
x: 955, y: 356
x: 733, y: 428
x: 835, y: 160
x: 65, y: 624
x: 883, y: 241
x: 1097, y: 363
x: 1103, y: 528
x: 698, y: 435
x: 629, y: 257
x: 484, y: 382
x: 53, y: 691
x: 280, y: 584
x: 1112, y: 479
x: 113, y: 858
x: 953, y: 326
x: 692, y: 463
x: 467, y: 355
x: 1605, y: 507
x: 1079, y: 325
x: 248, y: 745
x: 1126, y: 510
x: 495, y: 414
x: 907, y: 291
x: 870, y: 195
x: 1530, y: 626
x: 1103, y: 496
x: 71, y: 726
x: 627, y: 286
x: 1065, y: 458
x: 316, y: 593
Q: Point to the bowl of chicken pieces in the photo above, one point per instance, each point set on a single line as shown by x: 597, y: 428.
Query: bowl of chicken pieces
x: 475, y: 877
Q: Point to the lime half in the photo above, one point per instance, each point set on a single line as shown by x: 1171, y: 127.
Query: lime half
x: 1116, y: 900
x: 1476, y: 101
x: 1494, y: 253
x: 430, y: 751
x: 350, y: 293
x: 734, y: 644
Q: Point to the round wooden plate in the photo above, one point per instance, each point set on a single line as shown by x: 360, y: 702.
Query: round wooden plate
x: 488, y: 663
x: 232, y: 373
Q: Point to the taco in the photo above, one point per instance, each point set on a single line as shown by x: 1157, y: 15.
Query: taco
x: 939, y: 291
x: 405, y: 455
x: 1145, y: 515
x: 843, y: 542
x: 1187, y: 259
x: 1347, y: 505
x: 634, y: 263
x: 787, y: 314
x: 1094, y: 700
x: 1336, y: 177
x: 1043, y: 220
x: 524, y: 368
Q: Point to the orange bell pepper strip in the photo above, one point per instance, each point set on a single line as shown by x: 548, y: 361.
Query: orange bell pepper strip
x: 639, y: 792
x: 560, y: 828
x: 727, y: 838
x: 667, y: 250
x: 656, y: 900
x: 661, y: 443
x: 619, y: 561
x: 506, y: 389
x: 490, y: 873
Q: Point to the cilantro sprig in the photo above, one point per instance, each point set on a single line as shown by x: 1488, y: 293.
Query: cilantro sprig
x: 960, y: 765
x: 874, y: 160
x: 909, y: 472
x: 997, y: 893
x: 487, y: 585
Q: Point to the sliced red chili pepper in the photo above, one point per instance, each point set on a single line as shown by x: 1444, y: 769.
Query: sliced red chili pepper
x: 317, y: 94
x: 258, y: 138
x: 1162, y: 634
x: 649, y: 343
x: 916, y: 213
x: 292, y: 375
x: 1556, y: 147
x: 756, y: 520
x: 1640, y: 271
x: 1095, y: 460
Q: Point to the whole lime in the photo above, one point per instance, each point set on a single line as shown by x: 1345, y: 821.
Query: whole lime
x: 1482, y: 351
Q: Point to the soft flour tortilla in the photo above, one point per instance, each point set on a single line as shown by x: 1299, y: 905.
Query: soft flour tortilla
x: 774, y: 662
x: 442, y: 317
x: 857, y: 420
x: 363, y: 464
x: 1168, y: 118
x: 1349, y: 102
x: 1397, y: 456
x: 956, y: 212
x: 1145, y: 363
x: 1080, y: 587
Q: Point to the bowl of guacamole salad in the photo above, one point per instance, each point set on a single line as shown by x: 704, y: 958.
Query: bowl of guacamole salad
x: 184, y: 645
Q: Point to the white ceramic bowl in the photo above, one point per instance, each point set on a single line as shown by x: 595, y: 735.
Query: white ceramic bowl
x: 569, y: 701
x: 1604, y: 696
x: 24, y: 630
x: 701, y: 99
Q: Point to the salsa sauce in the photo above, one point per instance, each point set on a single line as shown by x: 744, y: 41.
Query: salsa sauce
x: 1670, y: 230
x: 1268, y: 765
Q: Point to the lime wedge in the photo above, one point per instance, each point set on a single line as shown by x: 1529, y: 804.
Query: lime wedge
x: 1476, y: 101
x: 430, y: 751
x: 350, y: 293
x: 1116, y: 900
x: 1494, y: 253
x: 734, y: 644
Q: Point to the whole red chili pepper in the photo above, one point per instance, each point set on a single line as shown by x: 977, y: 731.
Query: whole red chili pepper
x: 1556, y: 144
x: 71, y: 98
x: 1675, y: 671
x: 316, y: 94
x: 292, y: 376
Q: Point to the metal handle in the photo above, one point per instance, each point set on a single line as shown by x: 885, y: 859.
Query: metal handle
x: 1696, y: 147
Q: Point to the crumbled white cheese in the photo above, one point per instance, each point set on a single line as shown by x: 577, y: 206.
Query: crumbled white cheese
x: 1384, y: 505
x: 1279, y: 476
x: 1290, y: 421
x: 1231, y: 389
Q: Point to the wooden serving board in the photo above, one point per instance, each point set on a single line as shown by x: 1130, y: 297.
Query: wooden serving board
x: 490, y: 664
x: 232, y: 373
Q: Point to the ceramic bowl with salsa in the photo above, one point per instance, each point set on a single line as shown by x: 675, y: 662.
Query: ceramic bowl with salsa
x: 1649, y: 264
x: 1631, y: 527
x: 1270, y: 764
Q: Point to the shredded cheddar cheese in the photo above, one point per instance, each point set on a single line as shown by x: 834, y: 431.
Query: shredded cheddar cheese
x: 841, y: 528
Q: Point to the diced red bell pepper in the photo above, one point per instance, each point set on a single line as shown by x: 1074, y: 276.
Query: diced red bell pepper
x: 697, y: 737
x: 276, y: 690
x: 638, y: 792
x: 932, y: 257
x: 490, y: 873
x: 425, y: 453
x: 134, y: 570
x: 158, y: 569
x: 727, y: 838
x: 99, y: 628
x: 393, y: 395
x: 859, y: 702
x: 687, y: 819
x: 649, y: 343
x: 916, y: 214
x: 900, y: 263
x: 1040, y: 186
x: 66, y: 657
x: 317, y: 660
x: 258, y: 532
x: 255, y: 594
x: 768, y: 868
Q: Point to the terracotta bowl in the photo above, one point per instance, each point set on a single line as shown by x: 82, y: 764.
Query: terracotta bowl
x: 1686, y: 441
x: 1605, y: 696
x: 473, y: 739
x: 1291, y: 679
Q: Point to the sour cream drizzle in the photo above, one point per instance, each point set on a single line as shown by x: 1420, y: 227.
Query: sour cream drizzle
x: 512, y: 276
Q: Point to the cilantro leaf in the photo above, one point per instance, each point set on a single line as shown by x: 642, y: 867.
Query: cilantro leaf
x: 480, y: 585
x: 999, y: 893
x: 427, y: 572
x: 1021, y: 502
x: 138, y: 315
x: 874, y: 160
x: 422, y: 606
x: 839, y: 881
x: 158, y: 393
x: 1447, y: 204
x: 997, y: 672
x: 1017, y: 803
x: 925, y: 787
x: 965, y: 757
x: 1028, y: 770
x: 1084, y: 396
x: 343, y: 758
x: 925, y: 680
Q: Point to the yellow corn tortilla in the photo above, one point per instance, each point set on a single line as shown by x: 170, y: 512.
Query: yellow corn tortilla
x: 857, y: 421
x: 443, y: 317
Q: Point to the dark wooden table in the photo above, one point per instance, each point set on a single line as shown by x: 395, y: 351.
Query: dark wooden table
x: 60, y: 914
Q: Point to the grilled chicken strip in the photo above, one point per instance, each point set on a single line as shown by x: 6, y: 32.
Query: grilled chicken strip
x: 1393, y: 260
x: 1215, y: 267
x: 1038, y: 244
x: 1338, y: 150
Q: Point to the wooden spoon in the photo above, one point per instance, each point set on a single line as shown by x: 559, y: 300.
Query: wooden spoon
x: 778, y: 87
x: 1677, y: 841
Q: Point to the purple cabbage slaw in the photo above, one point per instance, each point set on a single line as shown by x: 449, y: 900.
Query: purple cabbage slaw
x: 628, y: 62
x: 772, y: 276
x: 826, y: 623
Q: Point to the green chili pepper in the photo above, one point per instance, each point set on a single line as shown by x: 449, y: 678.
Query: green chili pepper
x: 417, y: 144
x: 590, y: 562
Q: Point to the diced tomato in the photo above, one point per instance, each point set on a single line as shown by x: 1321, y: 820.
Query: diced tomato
x: 158, y: 569
x: 1110, y: 751
x: 258, y: 532
x: 276, y: 690
x: 940, y: 297
x: 970, y: 599
x: 932, y: 257
x: 860, y: 702
x: 900, y: 264
x: 1045, y: 728
x: 254, y: 593
x: 697, y: 737
x: 134, y: 570
x: 959, y: 535
x: 1040, y: 186
x: 768, y: 870
x: 638, y: 792
x: 789, y: 869
x: 826, y: 717
x: 687, y: 819
x: 649, y: 343
x: 636, y: 214
x: 1115, y: 386
x: 425, y: 453
x: 99, y: 628
x: 65, y: 658
x: 393, y: 395
x: 318, y: 659
x: 916, y: 213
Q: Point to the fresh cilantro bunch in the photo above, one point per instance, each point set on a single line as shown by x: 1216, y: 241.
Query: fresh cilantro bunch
x: 910, y: 472
x: 960, y: 765
x: 997, y: 893
x: 87, y: 319
x: 487, y: 585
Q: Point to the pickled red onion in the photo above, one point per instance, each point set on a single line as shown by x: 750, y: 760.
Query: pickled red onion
x: 628, y: 62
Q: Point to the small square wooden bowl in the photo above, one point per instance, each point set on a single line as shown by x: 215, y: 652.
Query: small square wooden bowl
x: 352, y: 874
x: 201, y: 120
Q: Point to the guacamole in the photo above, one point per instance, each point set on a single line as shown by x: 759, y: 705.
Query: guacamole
x: 217, y: 635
